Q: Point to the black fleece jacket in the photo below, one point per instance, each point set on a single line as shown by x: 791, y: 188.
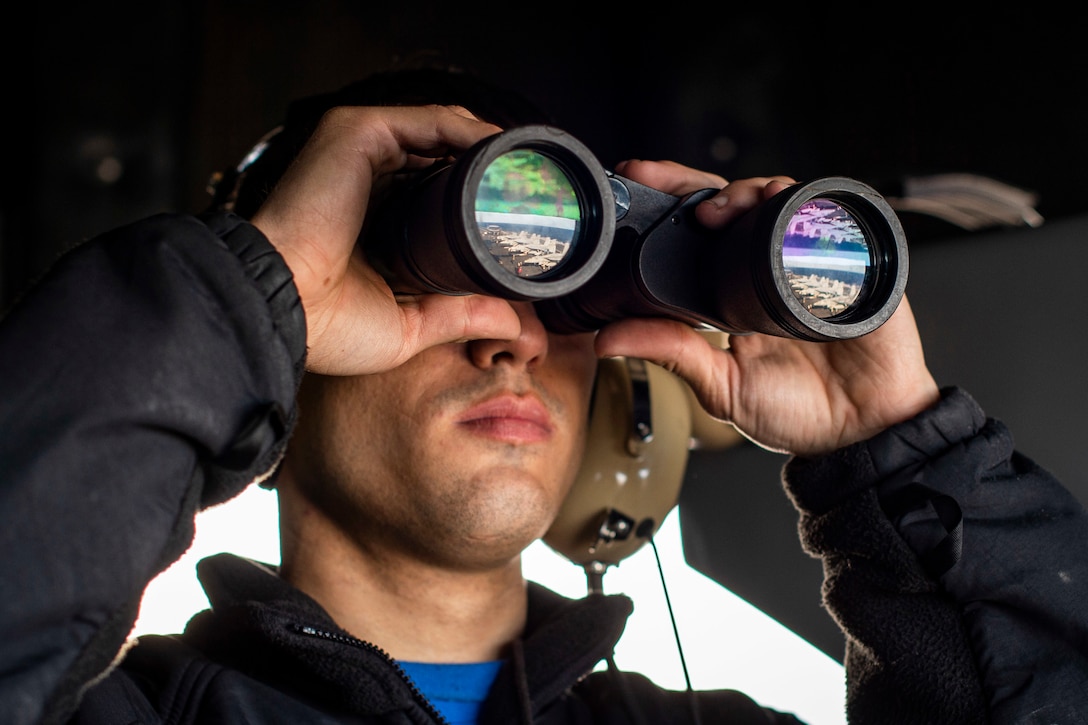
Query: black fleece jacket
x: 152, y: 373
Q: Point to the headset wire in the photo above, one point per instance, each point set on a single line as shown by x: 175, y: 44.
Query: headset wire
x: 646, y: 532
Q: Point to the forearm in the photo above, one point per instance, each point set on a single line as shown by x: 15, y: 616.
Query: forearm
x: 151, y: 373
x: 992, y: 634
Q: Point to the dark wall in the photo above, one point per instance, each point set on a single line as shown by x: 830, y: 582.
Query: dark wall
x: 127, y: 110
x: 123, y: 112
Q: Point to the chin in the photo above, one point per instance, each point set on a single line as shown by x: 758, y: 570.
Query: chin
x: 502, y: 527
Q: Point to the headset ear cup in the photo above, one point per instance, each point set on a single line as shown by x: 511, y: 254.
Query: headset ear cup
x: 625, y: 486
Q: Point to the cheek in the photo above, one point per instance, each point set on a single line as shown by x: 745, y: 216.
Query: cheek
x: 580, y: 364
x: 360, y: 418
x: 574, y: 356
x: 580, y: 372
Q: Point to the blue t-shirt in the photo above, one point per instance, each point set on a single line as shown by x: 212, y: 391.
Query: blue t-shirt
x: 456, y: 690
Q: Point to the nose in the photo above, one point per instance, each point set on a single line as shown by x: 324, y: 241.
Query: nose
x: 528, y: 349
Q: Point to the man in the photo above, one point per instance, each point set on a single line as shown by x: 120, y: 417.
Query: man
x: 434, y: 438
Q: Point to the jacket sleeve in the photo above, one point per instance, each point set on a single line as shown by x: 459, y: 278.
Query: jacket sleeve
x: 151, y: 373
x: 957, y: 568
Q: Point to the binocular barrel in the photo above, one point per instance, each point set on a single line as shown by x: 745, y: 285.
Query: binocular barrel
x: 530, y: 214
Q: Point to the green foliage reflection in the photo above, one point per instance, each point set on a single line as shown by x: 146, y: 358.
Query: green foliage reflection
x: 526, y: 182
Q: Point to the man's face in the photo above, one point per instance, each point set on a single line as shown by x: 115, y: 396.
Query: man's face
x: 461, y: 456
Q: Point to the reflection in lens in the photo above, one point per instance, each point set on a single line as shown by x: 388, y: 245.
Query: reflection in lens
x: 826, y: 257
x: 527, y: 212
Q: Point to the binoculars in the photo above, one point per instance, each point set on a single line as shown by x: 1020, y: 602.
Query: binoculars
x: 531, y: 214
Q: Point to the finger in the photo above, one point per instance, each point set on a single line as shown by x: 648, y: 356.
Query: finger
x: 436, y: 319
x: 385, y: 137
x: 439, y: 133
x: 669, y: 176
x: 462, y: 111
x: 677, y: 347
x: 738, y: 198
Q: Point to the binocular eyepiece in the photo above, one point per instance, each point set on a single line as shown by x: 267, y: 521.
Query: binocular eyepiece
x: 530, y: 214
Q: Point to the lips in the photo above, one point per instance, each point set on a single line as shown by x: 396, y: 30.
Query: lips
x: 510, y: 419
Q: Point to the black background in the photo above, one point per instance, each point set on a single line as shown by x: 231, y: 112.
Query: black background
x: 112, y: 114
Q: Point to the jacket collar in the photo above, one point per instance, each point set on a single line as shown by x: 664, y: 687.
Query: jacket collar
x: 253, y: 610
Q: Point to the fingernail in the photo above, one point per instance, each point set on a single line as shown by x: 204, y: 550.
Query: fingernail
x: 718, y: 202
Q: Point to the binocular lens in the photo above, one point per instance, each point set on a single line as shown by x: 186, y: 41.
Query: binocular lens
x: 528, y: 214
x: 520, y: 215
x: 827, y: 258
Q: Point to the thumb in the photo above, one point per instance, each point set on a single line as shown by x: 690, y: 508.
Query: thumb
x: 435, y: 319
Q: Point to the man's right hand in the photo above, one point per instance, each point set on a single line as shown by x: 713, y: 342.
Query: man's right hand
x: 355, y: 324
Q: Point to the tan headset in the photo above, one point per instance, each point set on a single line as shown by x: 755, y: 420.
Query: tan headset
x: 643, y: 424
